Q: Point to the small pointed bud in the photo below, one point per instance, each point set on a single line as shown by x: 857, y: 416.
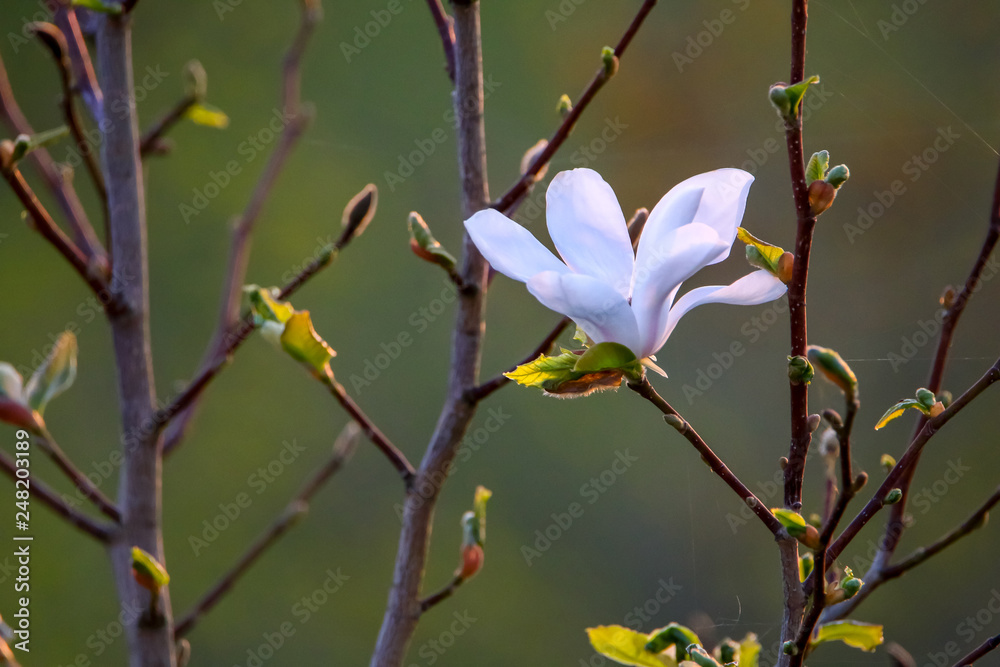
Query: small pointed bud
x: 529, y: 158
x: 893, y: 496
x: 834, y: 369
x: 813, y: 422
x: 610, y: 61
x: 636, y: 225
x: 565, y: 105
x: 783, y: 462
x: 751, y: 502
x: 425, y: 246
x: 860, y: 481
x: 786, y: 266
x: 945, y: 398
x: 838, y: 176
x: 789, y: 648
x: 780, y: 100
x: 947, y: 299
x: 851, y: 587
x: 675, y: 421
x: 195, y: 81
x: 472, y: 560
x: 888, y: 463
x: 833, y: 418
x: 800, y: 371
x: 148, y: 572
x: 821, y: 196
x: 359, y: 212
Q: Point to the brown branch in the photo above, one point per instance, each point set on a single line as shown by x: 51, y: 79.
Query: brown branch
x: 371, y: 431
x: 521, y: 187
x: 895, y: 526
x: 48, y: 497
x: 431, y: 600
x: 86, y: 487
x: 500, y: 381
x: 980, y: 651
x: 83, y: 70
x: 646, y: 390
x: 239, y: 250
x: 343, y: 449
x: 446, y: 31
x: 57, y: 183
x: 46, y: 226
x: 912, y: 453
x: 54, y: 40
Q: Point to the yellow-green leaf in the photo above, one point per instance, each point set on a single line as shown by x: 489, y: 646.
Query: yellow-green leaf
x: 55, y: 375
x: 302, y: 342
x: 626, y: 646
x: 764, y: 256
x: 865, y: 636
x: 749, y: 651
x: 899, y: 409
x: 209, y: 116
x: 817, y: 167
x: 479, y: 510
x: 673, y: 634
x: 265, y: 307
x: 793, y: 522
x: 148, y: 571
x: 544, y: 370
x: 806, y: 563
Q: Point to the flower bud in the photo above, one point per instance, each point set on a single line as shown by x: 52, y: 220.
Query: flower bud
x: 529, y: 158
x: 838, y: 175
x: 888, y: 463
x: 786, y: 266
x: 472, y: 560
x: 359, y: 212
x: 610, y: 61
x: 926, y: 397
x: 833, y: 418
x: 800, y: 371
x: 789, y: 648
x: 851, y: 587
x: 821, y: 195
x: 813, y: 422
x: 947, y: 299
x: 860, y: 481
x: 425, y: 246
x: 945, y: 398
x: 675, y: 421
x: 779, y: 99
x: 893, y: 497
x: 565, y: 105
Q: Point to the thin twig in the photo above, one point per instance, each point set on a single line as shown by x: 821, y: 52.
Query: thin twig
x: 47, y: 227
x: 989, y: 645
x: 371, y: 431
x: 52, y: 500
x: 446, y: 31
x: 81, y: 481
x: 343, y: 449
x: 428, y: 602
x: 493, y: 384
x: 895, y: 526
x: 646, y: 390
x: 516, y: 191
x: 239, y: 250
x: 909, y: 457
x: 83, y: 233
x: 847, y: 490
x: 151, y: 137
x: 83, y: 70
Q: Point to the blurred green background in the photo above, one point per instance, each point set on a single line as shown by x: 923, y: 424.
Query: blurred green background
x: 690, y: 96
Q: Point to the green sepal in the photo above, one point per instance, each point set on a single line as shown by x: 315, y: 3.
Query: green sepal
x: 834, y: 368
x: 865, y: 636
x: 626, y: 646
x: 301, y: 341
x: 817, y: 167
x: 793, y: 522
x: 148, y: 571
x: 760, y: 254
x: 609, y: 356
x: 673, y: 634
x: 207, y: 115
x: 54, y: 376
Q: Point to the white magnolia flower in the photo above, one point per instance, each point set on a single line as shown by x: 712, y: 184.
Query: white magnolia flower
x: 612, y: 293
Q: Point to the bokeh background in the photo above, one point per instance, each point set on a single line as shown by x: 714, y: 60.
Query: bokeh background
x: 690, y: 96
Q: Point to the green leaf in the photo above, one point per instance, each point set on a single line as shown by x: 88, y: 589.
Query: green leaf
x: 764, y: 255
x: 626, y: 646
x: 834, y: 369
x: 749, y: 651
x: 817, y: 167
x: 148, y: 571
x: 265, y: 307
x: 55, y: 375
x: 301, y: 341
x: 581, y: 337
x: 806, y: 563
x: 900, y: 408
x: 793, y: 522
x: 425, y: 246
x: 98, y: 6
x: 864, y: 636
x: 545, y: 370
x: 209, y: 116
x: 797, y: 92
x: 673, y: 634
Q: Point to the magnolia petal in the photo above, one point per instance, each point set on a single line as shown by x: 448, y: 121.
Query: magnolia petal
x: 660, y: 268
x: 716, y: 198
x: 510, y: 248
x: 750, y: 290
x: 594, y: 305
x: 588, y: 228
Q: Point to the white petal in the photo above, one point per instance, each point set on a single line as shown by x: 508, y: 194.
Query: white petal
x: 588, y: 228
x: 510, y: 248
x: 716, y: 198
x: 750, y: 290
x: 660, y: 268
x: 594, y: 305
